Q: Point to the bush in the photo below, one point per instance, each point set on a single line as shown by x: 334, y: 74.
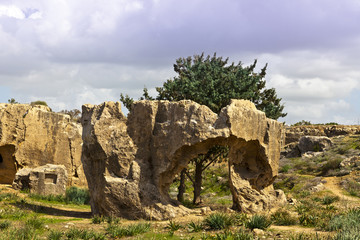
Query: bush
x: 218, y: 221
x: 195, y: 227
x: 77, y: 195
x: 35, y: 223
x: 39, y: 102
x: 173, y: 226
x: 327, y: 200
x: 283, y: 218
x: 131, y: 230
x: 333, y: 164
x: 55, y: 235
x: 96, y: 219
x: 5, y: 224
x: 258, y: 221
x: 345, y: 221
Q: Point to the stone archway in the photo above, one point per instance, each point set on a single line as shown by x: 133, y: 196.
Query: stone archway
x: 131, y: 162
x: 8, y: 166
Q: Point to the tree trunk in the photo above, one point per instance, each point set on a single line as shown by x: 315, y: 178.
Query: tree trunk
x: 197, y: 182
x: 181, y: 188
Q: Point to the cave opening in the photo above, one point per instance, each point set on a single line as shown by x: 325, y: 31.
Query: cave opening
x: 232, y: 161
x: 7, y: 164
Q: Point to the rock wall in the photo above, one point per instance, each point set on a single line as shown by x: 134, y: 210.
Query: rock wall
x: 294, y: 133
x: 131, y: 162
x: 32, y: 136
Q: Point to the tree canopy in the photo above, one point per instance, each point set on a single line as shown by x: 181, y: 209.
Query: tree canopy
x: 213, y: 82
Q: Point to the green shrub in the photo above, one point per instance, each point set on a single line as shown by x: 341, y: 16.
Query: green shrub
x: 195, y: 227
x: 75, y: 233
x: 55, y: 235
x: 258, y: 221
x: 24, y: 233
x: 327, y: 200
x: 35, y: 223
x: 227, y: 235
x: 285, y: 168
x: 8, y: 197
x: 218, y: 221
x: 349, y: 234
x: 173, y: 226
x: 308, y: 220
x: 39, y: 102
x: 283, y: 218
x: 77, y: 195
x: 5, y: 224
x: 332, y: 164
x: 116, y: 231
x: 96, y: 219
x: 49, y: 198
x: 345, y: 221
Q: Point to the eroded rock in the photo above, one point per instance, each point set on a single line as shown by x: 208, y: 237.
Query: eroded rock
x: 131, y: 162
x: 32, y: 136
x: 313, y: 144
x: 49, y: 179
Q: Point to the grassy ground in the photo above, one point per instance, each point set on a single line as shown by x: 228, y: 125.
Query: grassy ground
x: 323, y: 205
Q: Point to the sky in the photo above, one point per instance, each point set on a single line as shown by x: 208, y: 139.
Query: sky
x: 69, y: 53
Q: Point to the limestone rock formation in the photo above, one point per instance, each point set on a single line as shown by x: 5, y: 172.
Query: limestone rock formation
x: 313, y: 144
x: 32, y: 136
x: 49, y: 179
x: 131, y: 162
x: 294, y: 133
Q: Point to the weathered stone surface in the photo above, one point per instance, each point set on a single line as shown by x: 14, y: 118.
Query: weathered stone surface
x: 313, y: 144
x: 44, y: 180
x: 294, y: 133
x: 32, y: 136
x: 131, y: 162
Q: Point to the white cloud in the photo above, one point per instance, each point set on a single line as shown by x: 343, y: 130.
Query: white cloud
x: 11, y: 11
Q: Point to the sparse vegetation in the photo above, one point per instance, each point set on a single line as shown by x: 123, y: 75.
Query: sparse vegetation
x: 258, y: 221
x: 218, y: 221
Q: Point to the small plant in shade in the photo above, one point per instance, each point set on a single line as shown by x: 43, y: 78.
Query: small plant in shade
x: 218, y: 221
x: 55, y: 235
x: 258, y: 221
x: 283, y: 218
x: 195, y: 227
x: 97, y: 219
x: 112, y: 220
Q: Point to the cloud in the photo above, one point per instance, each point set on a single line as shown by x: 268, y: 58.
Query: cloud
x: 71, y: 52
x: 11, y: 11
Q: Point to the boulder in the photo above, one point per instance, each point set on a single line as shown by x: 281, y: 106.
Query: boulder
x: 32, y: 136
x: 313, y: 144
x: 131, y: 162
x: 44, y: 180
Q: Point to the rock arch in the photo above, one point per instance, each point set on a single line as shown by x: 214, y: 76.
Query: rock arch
x: 130, y: 162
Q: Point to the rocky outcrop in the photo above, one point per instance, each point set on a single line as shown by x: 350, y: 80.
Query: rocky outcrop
x: 313, y: 144
x: 32, y: 136
x: 44, y: 180
x: 294, y: 133
x: 131, y: 162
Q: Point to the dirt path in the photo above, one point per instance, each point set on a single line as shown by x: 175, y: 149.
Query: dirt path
x: 332, y: 184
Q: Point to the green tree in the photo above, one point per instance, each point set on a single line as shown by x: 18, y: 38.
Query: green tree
x: 213, y: 82
x: 12, y: 101
x: 74, y: 114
